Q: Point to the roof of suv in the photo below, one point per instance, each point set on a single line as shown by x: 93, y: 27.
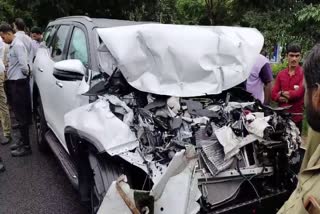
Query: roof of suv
x: 99, y: 22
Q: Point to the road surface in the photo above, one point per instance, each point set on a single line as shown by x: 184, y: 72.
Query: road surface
x: 35, y: 184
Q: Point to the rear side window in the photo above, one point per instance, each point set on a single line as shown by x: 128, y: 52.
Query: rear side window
x: 59, y: 42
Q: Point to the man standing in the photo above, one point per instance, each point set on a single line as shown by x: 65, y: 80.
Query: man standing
x: 17, y: 88
x: 19, y: 27
x: 307, y: 194
x: 4, y: 110
x: 36, y: 35
x: 288, y: 89
x: 260, y: 79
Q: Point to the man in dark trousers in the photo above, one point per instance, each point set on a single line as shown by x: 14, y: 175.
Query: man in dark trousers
x: 17, y: 88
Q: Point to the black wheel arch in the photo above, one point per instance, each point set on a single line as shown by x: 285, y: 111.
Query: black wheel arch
x: 79, y: 146
x: 39, y: 120
x: 35, y: 95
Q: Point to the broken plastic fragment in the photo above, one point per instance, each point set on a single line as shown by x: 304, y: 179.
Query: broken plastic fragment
x: 228, y: 140
x: 128, y: 117
x: 234, y: 105
x: 256, y: 126
x: 177, y: 191
x: 173, y: 104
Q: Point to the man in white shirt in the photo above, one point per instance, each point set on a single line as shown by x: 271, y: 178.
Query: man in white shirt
x: 18, y: 89
x: 19, y: 27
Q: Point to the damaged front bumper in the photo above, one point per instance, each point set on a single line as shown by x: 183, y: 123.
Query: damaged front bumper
x: 177, y: 186
x: 205, y: 154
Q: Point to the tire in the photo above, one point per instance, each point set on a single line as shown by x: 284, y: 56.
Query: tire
x: 40, y: 126
x: 105, y: 171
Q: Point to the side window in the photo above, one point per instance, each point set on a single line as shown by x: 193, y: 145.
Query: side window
x: 58, y: 42
x: 78, y: 46
x: 47, y: 36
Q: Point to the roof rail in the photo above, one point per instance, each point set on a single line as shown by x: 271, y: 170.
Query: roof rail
x: 72, y: 17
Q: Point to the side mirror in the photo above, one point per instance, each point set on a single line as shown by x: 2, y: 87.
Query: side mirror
x: 69, y: 70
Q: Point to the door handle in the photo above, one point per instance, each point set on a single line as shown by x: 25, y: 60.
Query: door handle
x: 59, y: 84
x: 40, y: 69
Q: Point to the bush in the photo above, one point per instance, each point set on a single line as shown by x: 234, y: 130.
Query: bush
x: 277, y: 67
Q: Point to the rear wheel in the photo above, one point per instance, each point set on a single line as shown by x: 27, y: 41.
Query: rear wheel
x: 40, y: 126
x: 105, y: 171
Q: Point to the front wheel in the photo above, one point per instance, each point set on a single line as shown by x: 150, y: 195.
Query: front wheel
x: 40, y: 126
x: 105, y: 171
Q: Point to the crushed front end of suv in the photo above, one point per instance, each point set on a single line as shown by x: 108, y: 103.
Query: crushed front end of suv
x: 168, y: 105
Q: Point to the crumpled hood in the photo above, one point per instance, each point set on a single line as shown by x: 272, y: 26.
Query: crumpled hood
x: 179, y: 60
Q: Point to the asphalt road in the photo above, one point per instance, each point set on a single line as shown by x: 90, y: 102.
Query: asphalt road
x: 35, y: 184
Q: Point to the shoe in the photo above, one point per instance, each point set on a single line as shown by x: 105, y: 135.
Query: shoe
x: 21, y: 151
x: 2, y: 168
x: 6, y: 140
x: 16, y: 145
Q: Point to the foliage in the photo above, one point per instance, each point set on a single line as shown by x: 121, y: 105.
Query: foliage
x: 277, y: 67
x: 274, y: 28
x: 8, y: 12
x: 280, y: 21
x: 220, y: 12
x: 190, y: 12
x: 309, y: 21
x: 310, y: 13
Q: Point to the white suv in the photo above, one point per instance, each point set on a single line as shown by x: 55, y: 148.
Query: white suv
x: 155, y: 103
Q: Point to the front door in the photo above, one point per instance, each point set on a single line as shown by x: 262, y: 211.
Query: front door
x: 69, y: 92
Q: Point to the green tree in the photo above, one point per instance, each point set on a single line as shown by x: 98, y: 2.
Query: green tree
x: 6, y: 10
x: 191, y: 11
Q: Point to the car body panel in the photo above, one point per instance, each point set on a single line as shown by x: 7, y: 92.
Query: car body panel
x: 176, y: 192
x: 45, y: 81
x: 98, y: 120
x: 182, y: 61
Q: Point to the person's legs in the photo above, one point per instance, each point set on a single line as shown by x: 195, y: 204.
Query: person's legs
x: 21, y: 106
x: 4, y: 113
x: 9, y: 86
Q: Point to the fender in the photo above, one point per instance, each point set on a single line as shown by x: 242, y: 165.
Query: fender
x: 85, y: 136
